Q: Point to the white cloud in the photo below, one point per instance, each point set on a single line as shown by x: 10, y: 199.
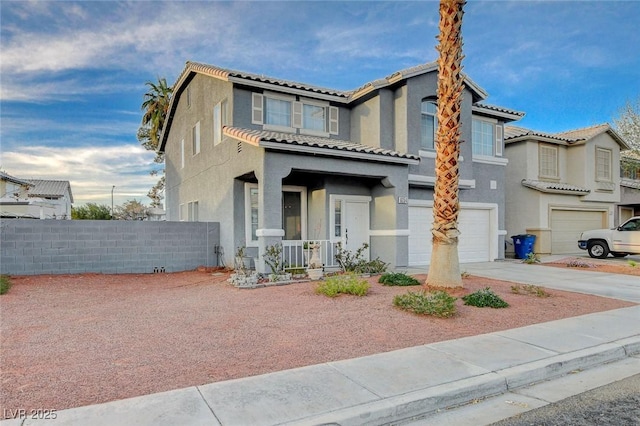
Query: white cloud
x: 91, y: 170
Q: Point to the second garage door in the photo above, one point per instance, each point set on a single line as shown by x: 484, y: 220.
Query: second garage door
x: 473, y: 243
x: 567, y: 225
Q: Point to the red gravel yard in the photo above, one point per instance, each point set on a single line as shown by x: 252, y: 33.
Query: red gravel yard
x: 73, y: 340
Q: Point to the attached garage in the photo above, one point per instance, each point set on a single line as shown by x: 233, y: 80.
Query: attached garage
x: 567, y: 225
x: 477, y: 233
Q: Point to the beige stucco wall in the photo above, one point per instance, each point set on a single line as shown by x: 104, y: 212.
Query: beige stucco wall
x: 365, y: 122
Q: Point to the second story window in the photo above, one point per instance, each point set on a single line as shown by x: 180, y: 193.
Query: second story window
x: 195, y: 138
x: 429, y: 125
x: 219, y: 120
x: 548, y: 161
x: 483, y: 138
x: 603, y: 164
x: 285, y: 113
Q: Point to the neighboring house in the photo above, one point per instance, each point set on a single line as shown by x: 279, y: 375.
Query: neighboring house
x: 278, y: 161
x: 561, y: 184
x: 34, y: 198
x: 56, y: 193
x: 13, y: 197
x: 629, y: 186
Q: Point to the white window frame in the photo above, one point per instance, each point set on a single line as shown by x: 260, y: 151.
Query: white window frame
x: 486, y: 122
x: 435, y: 124
x: 250, y: 242
x: 259, y: 111
x: 327, y: 124
x: 247, y: 211
x: 182, y: 154
x: 195, y: 139
x: 217, y: 123
x: 192, y: 209
x: 280, y: 97
x: 551, y: 148
x: 609, y: 166
x: 182, y: 212
x: 188, y: 95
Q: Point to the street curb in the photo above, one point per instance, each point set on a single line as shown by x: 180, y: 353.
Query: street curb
x: 418, y: 404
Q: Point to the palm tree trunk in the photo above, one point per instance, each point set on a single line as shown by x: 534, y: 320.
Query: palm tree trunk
x: 444, y: 269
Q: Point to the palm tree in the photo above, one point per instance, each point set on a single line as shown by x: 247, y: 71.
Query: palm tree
x: 155, y: 107
x: 444, y: 270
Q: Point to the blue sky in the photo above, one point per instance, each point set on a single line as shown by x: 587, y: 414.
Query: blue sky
x: 73, y: 73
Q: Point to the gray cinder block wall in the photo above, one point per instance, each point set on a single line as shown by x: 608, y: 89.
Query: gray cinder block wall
x: 30, y: 247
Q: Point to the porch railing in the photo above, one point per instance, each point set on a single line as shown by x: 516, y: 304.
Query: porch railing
x: 296, y: 253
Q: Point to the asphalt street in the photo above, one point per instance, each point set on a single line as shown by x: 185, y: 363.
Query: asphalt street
x: 616, y: 404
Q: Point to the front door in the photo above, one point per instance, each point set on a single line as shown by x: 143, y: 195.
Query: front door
x: 349, y: 221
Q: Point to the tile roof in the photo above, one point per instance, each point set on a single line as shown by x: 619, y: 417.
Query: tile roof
x: 496, y: 108
x: 259, y: 137
x: 50, y: 188
x: 224, y: 73
x: 554, y: 187
x: 570, y: 136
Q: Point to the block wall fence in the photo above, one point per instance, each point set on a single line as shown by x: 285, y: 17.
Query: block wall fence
x: 31, y: 247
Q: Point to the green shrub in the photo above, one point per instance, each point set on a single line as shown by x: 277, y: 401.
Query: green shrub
x: 5, y: 284
x: 397, y: 278
x: 437, y: 304
x: 484, y: 298
x: 632, y: 263
x: 529, y: 289
x: 343, y: 284
x: 355, y: 261
x: 531, y: 259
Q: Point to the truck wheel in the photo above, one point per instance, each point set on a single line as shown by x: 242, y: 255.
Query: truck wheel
x: 598, y: 249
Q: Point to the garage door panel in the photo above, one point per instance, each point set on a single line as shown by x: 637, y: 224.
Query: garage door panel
x: 567, y: 225
x: 473, y: 243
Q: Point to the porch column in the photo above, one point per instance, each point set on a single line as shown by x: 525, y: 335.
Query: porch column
x: 269, y: 230
x: 390, y: 221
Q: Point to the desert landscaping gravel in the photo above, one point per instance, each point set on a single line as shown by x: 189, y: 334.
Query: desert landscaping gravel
x: 74, y: 340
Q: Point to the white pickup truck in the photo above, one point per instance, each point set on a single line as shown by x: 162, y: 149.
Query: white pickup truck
x: 620, y: 241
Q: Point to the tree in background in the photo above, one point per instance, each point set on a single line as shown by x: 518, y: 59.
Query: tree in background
x: 131, y: 210
x: 91, y: 211
x: 155, y: 105
x: 628, y: 124
x: 444, y: 270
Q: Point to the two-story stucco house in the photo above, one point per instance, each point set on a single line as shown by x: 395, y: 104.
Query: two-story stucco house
x: 561, y: 184
x: 277, y: 161
x: 35, y: 198
x: 629, y: 186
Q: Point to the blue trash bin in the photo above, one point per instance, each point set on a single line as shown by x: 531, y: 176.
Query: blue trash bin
x: 523, y: 245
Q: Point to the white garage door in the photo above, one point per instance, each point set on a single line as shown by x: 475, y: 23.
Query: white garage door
x: 473, y: 243
x: 567, y: 225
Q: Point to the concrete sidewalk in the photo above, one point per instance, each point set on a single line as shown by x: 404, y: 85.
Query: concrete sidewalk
x: 400, y: 385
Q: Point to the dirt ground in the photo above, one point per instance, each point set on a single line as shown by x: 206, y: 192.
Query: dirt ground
x: 604, y: 265
x: 73, y: 340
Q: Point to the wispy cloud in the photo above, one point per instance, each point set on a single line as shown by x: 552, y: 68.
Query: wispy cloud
x: 91, y: 170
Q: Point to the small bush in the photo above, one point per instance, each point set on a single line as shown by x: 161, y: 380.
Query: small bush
x: 5, y: 284
x: 355, y: 261
x: 531, y: 259
x: 529, y: 289
x: 632, y: 263
x: 484, y: 298
x: 343, y: 284
x: 397, y: 278
x: 437, y: 304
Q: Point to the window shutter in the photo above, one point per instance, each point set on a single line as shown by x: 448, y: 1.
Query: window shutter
x: 297, y: 114
x: 257, y: 109
x: 499, y: 140
x: 333, y: 120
